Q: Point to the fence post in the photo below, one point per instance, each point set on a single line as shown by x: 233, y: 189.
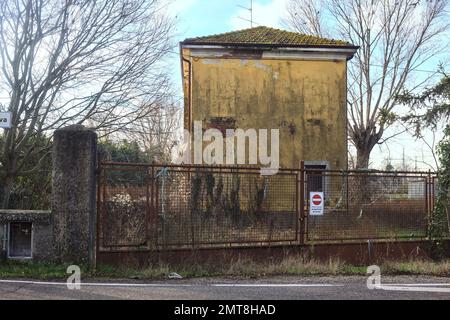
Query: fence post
x: 302, y: 203
x: 152, y: 217
x: 430, y: 195
x: 427, y: 198
x: 101, y: 182
x: 74, y: 194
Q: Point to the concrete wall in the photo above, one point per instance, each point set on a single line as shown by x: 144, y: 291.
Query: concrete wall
x: 2, y: 242
x: 306, y: 100
x: 66, y: 233
x: 42, y: 242
x: 74, y: 194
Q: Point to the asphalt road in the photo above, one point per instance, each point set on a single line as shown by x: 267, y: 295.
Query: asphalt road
x: 275, y: 288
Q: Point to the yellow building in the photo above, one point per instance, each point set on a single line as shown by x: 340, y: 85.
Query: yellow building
x: 266, y: 78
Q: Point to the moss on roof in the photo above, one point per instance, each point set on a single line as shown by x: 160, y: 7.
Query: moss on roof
x: 266, y: 36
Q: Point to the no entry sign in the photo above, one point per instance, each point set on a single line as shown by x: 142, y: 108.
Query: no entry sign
x: 316, y: 203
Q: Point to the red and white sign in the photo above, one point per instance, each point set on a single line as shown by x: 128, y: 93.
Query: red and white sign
x: 316, y: 203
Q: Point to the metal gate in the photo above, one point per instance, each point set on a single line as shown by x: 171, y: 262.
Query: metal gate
x: 148, y: 207
x: 369, y: 206
x: 153, y: 207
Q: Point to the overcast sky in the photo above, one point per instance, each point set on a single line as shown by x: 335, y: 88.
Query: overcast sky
x: 205, y: 17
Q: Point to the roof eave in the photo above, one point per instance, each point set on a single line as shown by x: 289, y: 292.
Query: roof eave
x: 265, y: 45
x: 349, y: 50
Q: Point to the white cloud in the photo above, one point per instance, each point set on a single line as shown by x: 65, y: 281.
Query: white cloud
x: 268, y: 14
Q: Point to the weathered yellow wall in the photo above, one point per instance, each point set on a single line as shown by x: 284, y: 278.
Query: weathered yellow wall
x: 306, y: 100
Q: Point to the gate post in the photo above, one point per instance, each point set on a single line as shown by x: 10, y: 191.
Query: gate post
x: 74, y: 194
x: 302, y: 203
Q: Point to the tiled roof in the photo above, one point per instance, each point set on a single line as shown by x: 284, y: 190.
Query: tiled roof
x: 267, y: 36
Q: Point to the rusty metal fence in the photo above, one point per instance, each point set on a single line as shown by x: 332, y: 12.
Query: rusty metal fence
x: 149, y: 206
x: 363, y: 205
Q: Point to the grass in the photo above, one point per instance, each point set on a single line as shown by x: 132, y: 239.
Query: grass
x: 18, y: 269
x: 419, y: 267
x: 289, y: 266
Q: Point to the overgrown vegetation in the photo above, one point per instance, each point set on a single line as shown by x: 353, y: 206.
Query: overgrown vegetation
x: 428, y: 109
x: 439, y: 224
x: 290, y: 266
x: 128, y: 152
x: 32, y: 187
x: 123, y: 151
x: 210, y: 197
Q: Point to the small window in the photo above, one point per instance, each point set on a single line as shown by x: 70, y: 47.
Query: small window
x: 222, y: 124
x: 315, y: 181
x: 19, y: 240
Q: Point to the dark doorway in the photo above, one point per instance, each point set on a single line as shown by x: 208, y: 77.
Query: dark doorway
x: 20, y: 239
x: 314, y: 178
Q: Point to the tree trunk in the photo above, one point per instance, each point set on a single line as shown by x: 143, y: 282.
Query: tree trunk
x: 365, y: 140
x: 360, y: 185
x: 8, y: 184
x: 362, y: 158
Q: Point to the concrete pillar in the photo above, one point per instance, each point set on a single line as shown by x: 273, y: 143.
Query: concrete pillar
x: 74, y: 194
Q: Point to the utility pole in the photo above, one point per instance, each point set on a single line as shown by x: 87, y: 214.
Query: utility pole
x: 403, y: 160
x: 251, y: 13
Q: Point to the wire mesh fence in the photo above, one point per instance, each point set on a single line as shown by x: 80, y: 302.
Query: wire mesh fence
x: 146, y: 206
x: 368, y: 206
x: 124, y: 210
x: 159, y: 207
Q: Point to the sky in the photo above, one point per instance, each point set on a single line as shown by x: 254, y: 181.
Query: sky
x: 205, y: 17
x: 195, y: 18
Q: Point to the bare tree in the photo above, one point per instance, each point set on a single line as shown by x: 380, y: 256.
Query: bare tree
x: 159, y: 133
x: 162, y: 133
x: 396, y: 38
x: 76, y: 62
x: 306, y: 16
